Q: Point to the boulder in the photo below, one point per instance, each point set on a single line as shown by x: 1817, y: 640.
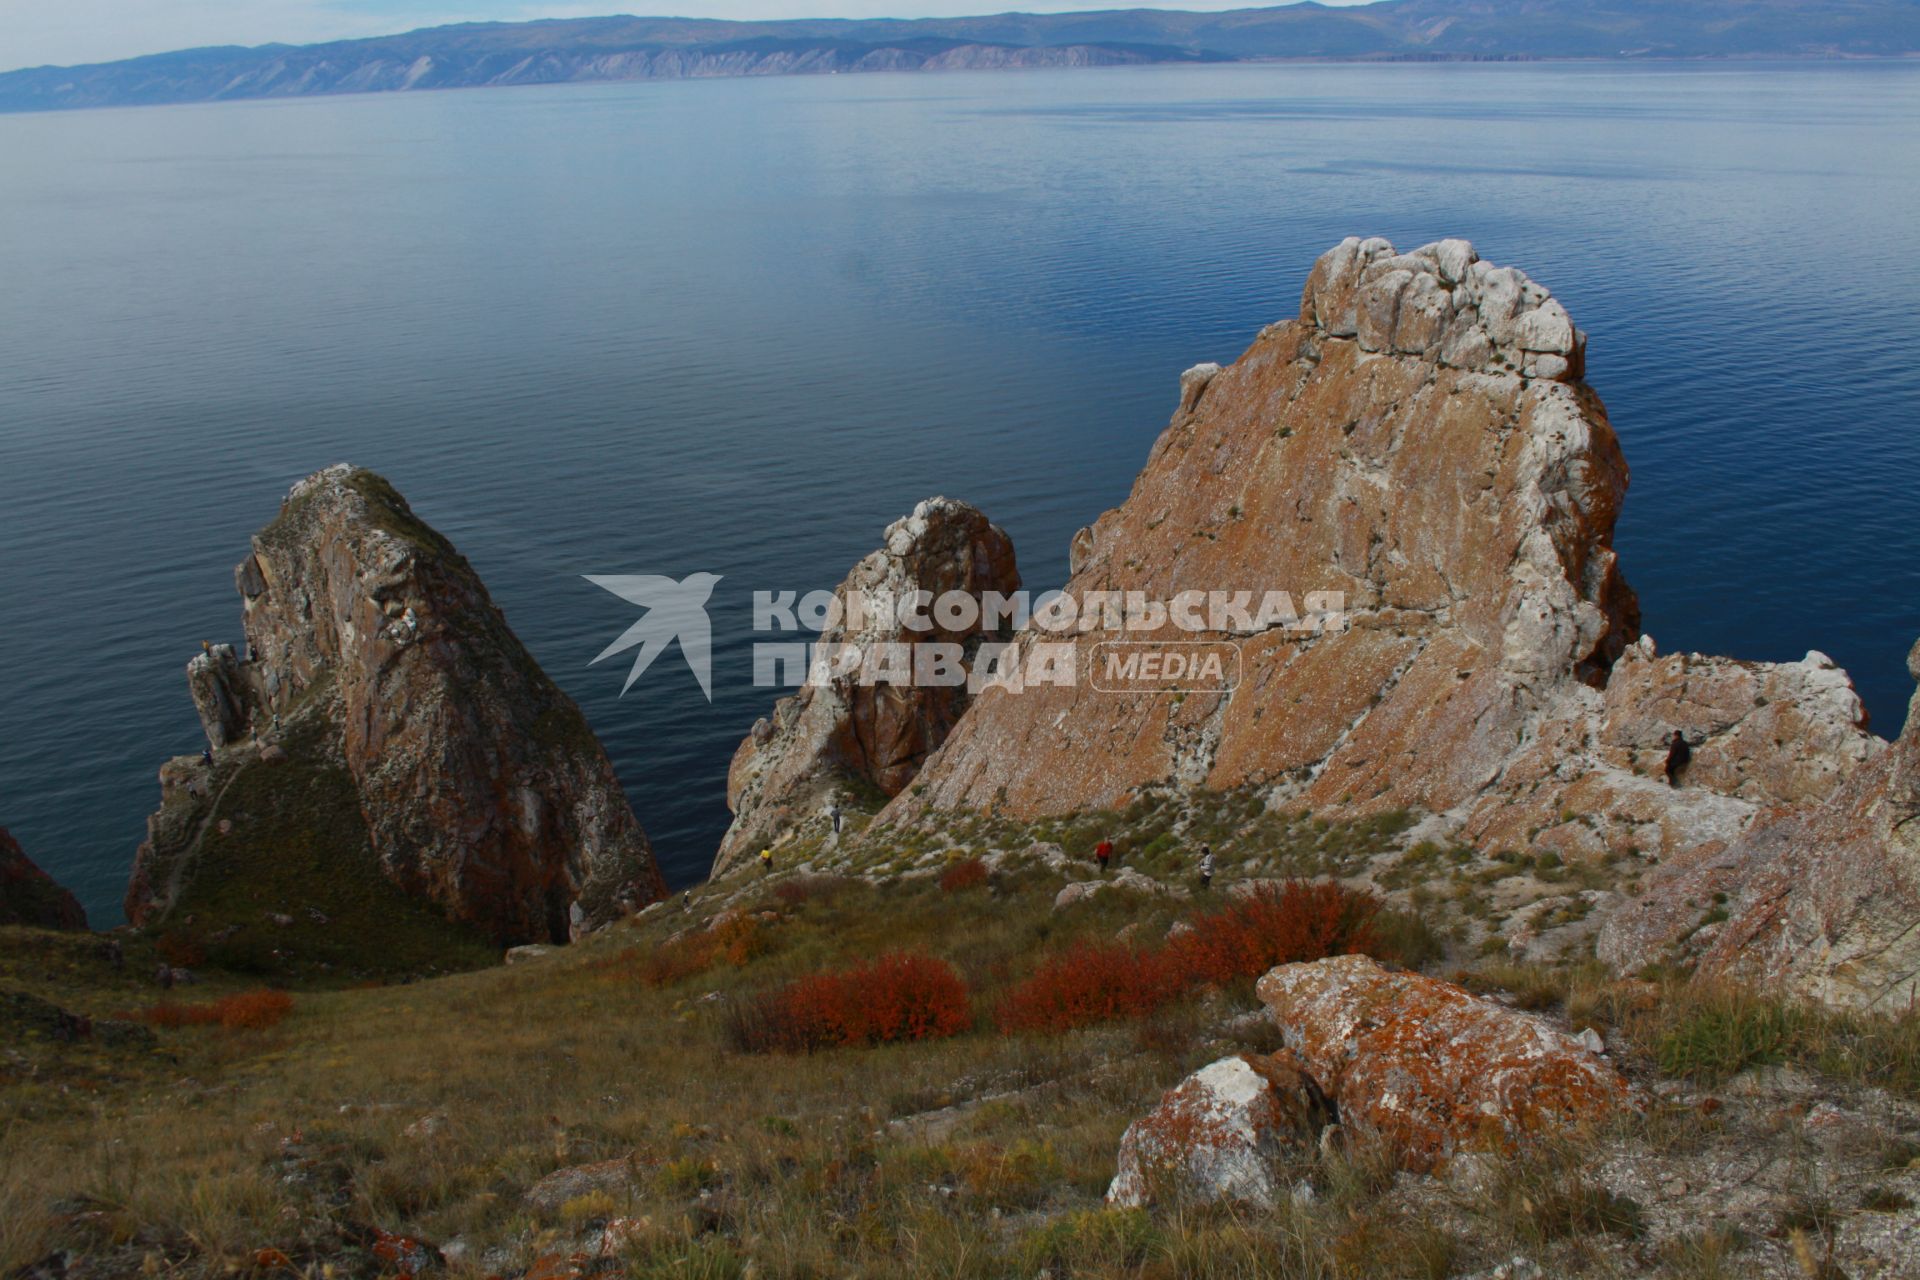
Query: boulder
x: 406, y: 720
x: 1223, y: 1134
x: 29, y: 895
x: 1079, y: 891
x: 551, y: 1193
x: 1431, y: 1069
x: 841, y: 733
x: 1821, y: 902
x: 1416, y: 445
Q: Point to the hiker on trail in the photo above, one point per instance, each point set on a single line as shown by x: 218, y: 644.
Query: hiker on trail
x: 1206, y: 867
x: 206, y: 755
x: 766, y: 860
x: 1103, y: 854
x: 1679, y: 755
x: 686, y: 901
x: 833, y: 811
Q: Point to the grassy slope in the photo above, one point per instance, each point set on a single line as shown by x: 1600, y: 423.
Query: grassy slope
x: 298, y: 848
x: 848, y: 1163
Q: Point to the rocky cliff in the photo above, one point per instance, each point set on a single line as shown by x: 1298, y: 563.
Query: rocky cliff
x: 385, y: 717
x: 850, y: 738
x: 1419, y: 440
x: 1822, y: 900
x: 29, y: 895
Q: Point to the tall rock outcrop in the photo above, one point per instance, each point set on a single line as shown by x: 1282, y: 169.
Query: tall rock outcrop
x: 385, y: 708
x: 29, y: 895
x: 852, y: 732
x: 1822, y: 901
x: 1419, y: 440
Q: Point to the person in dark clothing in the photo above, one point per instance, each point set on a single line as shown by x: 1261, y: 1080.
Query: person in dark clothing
x: 1206, y: 867
x: 206, y: 755
x: 1103, y: 854
x: 1679, y: 755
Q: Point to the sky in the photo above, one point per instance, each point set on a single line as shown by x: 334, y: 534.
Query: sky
x: 67, y: 32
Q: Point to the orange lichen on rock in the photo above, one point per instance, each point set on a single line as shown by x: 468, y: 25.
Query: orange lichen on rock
x: 1432, y: 1069
x: 1222, y: 1133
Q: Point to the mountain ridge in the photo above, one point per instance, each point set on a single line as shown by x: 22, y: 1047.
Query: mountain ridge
x: 620, y: 48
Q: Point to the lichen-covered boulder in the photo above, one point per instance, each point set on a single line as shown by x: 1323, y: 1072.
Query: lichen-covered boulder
x: 1430, y: 1068
x: 1223, y: 1134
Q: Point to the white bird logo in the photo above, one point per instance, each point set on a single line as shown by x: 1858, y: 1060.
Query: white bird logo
x: 675, y: 611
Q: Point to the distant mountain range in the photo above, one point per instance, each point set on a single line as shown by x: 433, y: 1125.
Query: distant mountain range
x: 475, y: 55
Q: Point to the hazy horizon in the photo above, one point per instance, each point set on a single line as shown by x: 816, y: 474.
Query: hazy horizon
x: 82, y: 32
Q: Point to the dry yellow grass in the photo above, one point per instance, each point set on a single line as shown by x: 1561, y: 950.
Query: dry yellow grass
x: 430, y: 1109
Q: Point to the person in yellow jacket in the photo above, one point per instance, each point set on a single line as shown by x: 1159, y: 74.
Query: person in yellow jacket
x: 766, y: 860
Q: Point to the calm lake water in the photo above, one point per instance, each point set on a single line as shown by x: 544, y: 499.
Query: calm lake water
x: 739, y: 326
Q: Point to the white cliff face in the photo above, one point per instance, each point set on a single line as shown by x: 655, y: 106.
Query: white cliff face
x: 1444, y: 305
x: 1821, y: 901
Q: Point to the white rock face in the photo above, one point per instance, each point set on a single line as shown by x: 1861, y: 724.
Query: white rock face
x: 1441, y: 303
x: 1193, y: 383
x: 1222, y: 1134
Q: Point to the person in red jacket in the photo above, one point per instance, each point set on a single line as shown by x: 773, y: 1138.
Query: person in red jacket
x: 1103, y: 854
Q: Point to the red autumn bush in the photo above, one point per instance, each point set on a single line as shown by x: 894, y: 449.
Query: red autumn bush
x: 1089, y: 982
x: 1299, y: 921
x: 969, y: 874
x: 1095, y: 982
x: 254, y: 1010
x: 735, y: 939
x: 900, y: 996
x: 246, y: 1010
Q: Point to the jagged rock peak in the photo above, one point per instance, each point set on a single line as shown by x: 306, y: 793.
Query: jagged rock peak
x: 1442, y: 304
x: 1457, y: 491
x: 374, y: 651
x: 851, y: 738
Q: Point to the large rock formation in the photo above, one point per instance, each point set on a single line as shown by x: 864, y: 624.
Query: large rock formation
x: 386, y: 708
x: 1430, y: 1068
x: 1418, y: 440
x: 29, y: 895
x: 849, y: 733
x: 1822, y: 901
